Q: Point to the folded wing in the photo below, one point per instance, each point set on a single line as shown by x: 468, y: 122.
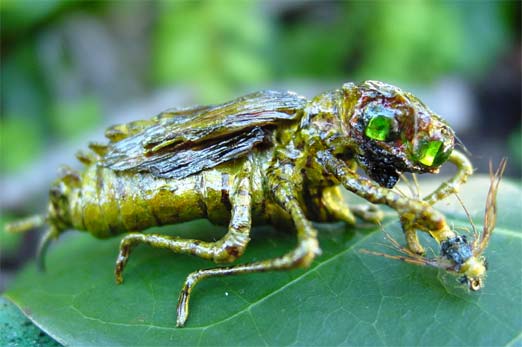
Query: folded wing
x: 179, y: 143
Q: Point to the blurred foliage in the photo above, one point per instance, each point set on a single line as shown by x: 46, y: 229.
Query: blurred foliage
x: 23, y: 103
x: 71, y: 118
x: 22, y: 15
x: 21, y: 142
x: 411, y: 42
x: 9, y: 242
x: 219, y: 47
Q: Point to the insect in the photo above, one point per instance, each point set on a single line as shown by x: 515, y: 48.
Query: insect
x: 457, y: 254
x: 267, y: 157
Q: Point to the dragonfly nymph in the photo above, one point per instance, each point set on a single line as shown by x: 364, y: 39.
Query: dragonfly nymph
x: 268, y: 157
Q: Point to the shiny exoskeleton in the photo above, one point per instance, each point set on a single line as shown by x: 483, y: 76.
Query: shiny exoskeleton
x: 267, y: 157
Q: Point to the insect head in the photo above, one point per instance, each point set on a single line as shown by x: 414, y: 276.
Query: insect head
x: 395, y: 132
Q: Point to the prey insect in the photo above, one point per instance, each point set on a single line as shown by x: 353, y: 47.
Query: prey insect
x: 458, y: 255
x: 267, y: 157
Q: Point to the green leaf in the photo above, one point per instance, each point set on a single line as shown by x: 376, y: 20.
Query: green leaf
x: 345, y: 298
x: 17, y: 330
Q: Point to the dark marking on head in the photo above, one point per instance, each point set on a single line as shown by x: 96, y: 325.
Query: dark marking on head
x: 457, y: 250
x: 379, y: 167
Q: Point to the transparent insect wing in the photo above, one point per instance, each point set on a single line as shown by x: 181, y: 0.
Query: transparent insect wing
x: 490, y: 214
x: 179, y: 144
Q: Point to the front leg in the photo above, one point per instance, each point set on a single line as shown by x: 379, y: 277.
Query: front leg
x: 336, y: 206
x: 413, y: 213
x: 334, y: 202
x: 464, y: 170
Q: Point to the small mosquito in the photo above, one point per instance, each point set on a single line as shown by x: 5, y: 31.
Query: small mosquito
x: 458, y: 255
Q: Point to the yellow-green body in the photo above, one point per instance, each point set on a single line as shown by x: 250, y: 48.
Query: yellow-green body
x: 107, y: 203
x: 267, y: 157
x: 122, y: 202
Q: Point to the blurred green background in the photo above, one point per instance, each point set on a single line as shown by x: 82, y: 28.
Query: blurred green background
x: 71, y: 68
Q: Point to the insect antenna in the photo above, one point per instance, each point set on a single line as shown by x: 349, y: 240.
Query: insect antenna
x: 464, y: 229
x: 417, y: 186
x: 398, y: 190
x: 462, y: 146
x: 409, y: 185
x: 468, y: 215
x: 490, y: 213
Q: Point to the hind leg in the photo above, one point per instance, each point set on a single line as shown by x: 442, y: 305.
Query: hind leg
x: 306, y: 250
x: 335, y: 204
x: 230, y: 247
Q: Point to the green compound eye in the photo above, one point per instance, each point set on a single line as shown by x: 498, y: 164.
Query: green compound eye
x: 379, y: 128
x: 432, y: 153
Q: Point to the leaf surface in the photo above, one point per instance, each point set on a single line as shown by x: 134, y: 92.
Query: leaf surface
x: 345, y: 298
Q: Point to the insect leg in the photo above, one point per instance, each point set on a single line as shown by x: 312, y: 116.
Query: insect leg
x: 335, y: 204
x: 50, y: 235
x: 464, y: 170
x: 229, y: 248
x: 413, y: 213
x: 369, y: 213
x: 306, y: 250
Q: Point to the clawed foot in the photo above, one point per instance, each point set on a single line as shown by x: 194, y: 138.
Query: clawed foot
x: 123, y: 256
x: 416, y: 248
x: 184, y: 297
x: 369, y: 213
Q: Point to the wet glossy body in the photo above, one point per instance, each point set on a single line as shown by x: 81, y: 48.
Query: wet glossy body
x: 268, y: 157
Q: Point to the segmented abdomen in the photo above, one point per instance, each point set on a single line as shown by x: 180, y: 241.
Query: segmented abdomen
x: 107, y: 203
